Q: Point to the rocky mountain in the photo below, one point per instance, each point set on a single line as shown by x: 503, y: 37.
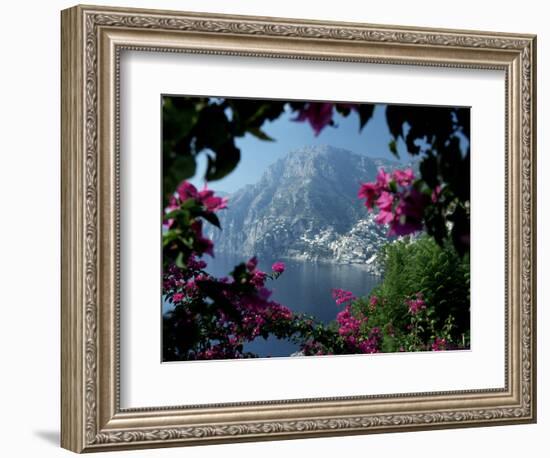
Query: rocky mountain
x: 305, y: 206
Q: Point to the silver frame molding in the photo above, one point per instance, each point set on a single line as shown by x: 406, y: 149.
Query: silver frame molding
x: 92, y: 40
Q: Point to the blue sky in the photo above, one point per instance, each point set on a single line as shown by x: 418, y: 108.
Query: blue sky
x: 257, y: 155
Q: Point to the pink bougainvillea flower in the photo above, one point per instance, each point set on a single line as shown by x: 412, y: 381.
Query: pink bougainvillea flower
x: 206, y: 197
x: 349, y: 325
x: 439, y: 344
x: 385, y: 204
x: 372, y: 192
x: 385, y: 217
x: 414, y: 204
x: 409, y: 213
x: 205, y: 245
x: 436, y: 193
x: 372, y: 343
x: 177, y: 297
x: 385, y: 201
x: 252, y: 263
x: 319, y: 115
x: 416, y: 305
x: 402, y: 226
x: 342, y: 296
x: 403, y: 177
x: 278, y: 267
x: 369, y: 192
x: 195, y: 264
x: 173, y: 204
x: 258, y: 278
x: 382, y: 179
x: 264, y: 293
x: 196, y: 226
x: 373, y: 302
x: 208, y: 246
x: 186, y: 191
x: 400, y: 204
x: 210, y: 201
x: 191, y: 287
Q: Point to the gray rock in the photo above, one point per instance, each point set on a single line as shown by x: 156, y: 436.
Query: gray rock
x: 305, y: 206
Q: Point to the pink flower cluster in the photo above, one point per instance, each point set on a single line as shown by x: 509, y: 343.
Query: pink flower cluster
x: 184, y: 287
x: 253, y: 313
x: 210, y: 203
x: 416, y: 304
x: 278, y: 267
x: 312, y: 347
x: 194, y: 263
x: 253, y: 322
x: 351, y: 329
x: 342, y: 296
x: 372, y: 343
x: 186, y: 191
x: 206, y: 197
x: 255, y: 307
x: 219, y: 351
x: 319, y: 115
x: 401, y: 205
x: 349, y: 325
x: 439, y: 344
x: 373, y: 302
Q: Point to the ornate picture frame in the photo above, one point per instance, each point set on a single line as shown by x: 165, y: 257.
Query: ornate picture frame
x: 93, y: 39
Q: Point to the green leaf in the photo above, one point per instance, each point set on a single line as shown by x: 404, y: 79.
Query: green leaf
x: 226, y: 159
x: 169, y: 236
x: 239, y: 271
x: 178, y: 118
x: 365, y: 113
x: 188, y: 242
x: 212, y: 218
x: 190, y: 205
x: 428, y: 170
x: 179, y: 261
x: 342, y: 109
x: 393, y: 148
x: 173, y: 214
x: 258, y: 133
x: 175, y: 170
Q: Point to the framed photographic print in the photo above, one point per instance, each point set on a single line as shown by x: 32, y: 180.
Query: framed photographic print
x: 278, y: 228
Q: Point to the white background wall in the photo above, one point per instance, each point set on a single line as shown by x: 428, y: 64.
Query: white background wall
x: 29, y: 227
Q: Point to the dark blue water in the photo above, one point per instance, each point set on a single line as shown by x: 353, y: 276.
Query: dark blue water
x: 305, y: 286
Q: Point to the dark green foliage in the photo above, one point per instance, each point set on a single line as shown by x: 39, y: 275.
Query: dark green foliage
x: 436, y: 134
x: 440, y: 274
x: 208, y: 125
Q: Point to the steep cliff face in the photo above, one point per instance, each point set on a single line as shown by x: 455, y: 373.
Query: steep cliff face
x: 305, y: 206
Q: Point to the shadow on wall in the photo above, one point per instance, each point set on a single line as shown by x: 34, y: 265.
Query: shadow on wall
x: 51, y: 437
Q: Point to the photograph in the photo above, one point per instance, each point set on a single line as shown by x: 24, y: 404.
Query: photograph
x: 295, y: 228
